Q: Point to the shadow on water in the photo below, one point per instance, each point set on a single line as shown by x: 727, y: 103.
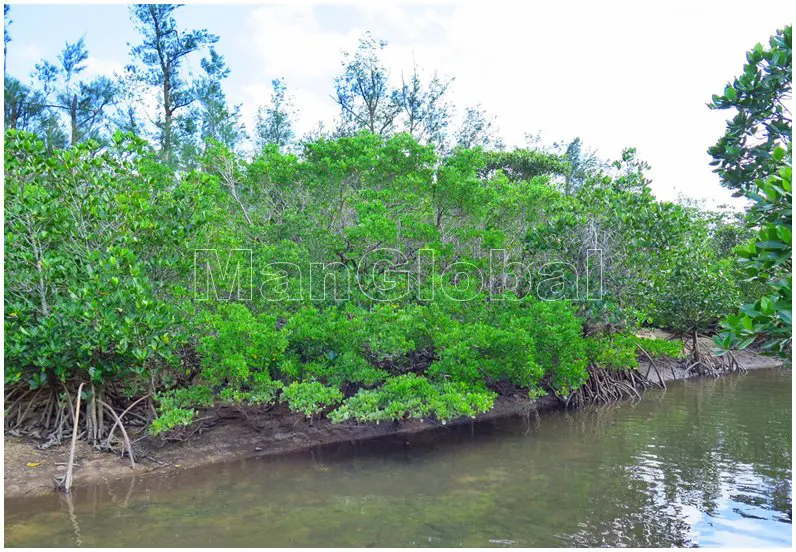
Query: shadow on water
x: 705, y: 463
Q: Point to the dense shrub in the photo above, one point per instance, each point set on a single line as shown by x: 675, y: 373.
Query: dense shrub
x: 473, y: 353
x: 558, y: 336
x: 310, y: 398
x: 412, y: 396
x: 694, y: 290
x: 84, y: 239
x: 238, y: 347
x: 111, y: 299
x: 102, y: 273
x: 620, y: 351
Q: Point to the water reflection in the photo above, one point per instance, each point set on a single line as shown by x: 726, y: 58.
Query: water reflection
x: 700, y: 464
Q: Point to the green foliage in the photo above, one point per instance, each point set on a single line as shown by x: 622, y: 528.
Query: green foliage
x: 170, y: 418
x: 754, y: 158
x: 372, y: 245
x: 239, y: 352
x: 372, y: 260
x: 635, y: 235
x: 472, y: 353
x: 524, y: 164
x: 239, y: 346
x: 310, y: 398
x: 694, y: 290
x: 83, y: 234
x: 658, y: 348
x: 412, y: 396
x: 615, y: 351
x: 560, y: 346
x: 745, y: 154
x: 177, y: 407
x: 767, y: 259
x: 620, y: 351
x: 405, y: 346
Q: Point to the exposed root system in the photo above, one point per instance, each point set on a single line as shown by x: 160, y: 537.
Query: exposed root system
x: 605, y: 385
x: 52, y: 416
x: 94, y: 414
x: 703, y: 362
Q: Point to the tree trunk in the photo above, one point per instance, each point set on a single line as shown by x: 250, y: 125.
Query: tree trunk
x: 45, y: 306
x: 73, y: 120
x: 167, y: 115
x: 14, y: 115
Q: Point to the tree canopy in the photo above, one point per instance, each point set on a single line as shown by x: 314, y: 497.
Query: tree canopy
x: 395, y: 266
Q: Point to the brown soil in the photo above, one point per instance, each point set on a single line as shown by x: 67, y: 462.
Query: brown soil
x: 30, y: 471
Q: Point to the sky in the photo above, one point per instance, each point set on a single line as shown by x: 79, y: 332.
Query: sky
x: 616, y: 74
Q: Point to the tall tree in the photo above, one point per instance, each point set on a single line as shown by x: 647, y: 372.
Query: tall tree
x: 582, y: 163
x: 126, y: 119
x: 6, y: 35
x: 161, y: 55
x: 425, y: 113
x: 274, y: 123
x: 478, y: 129
x: 218, y: 121
x: 22, y: 105
x: 363, y: 92
x: 84, y: 103
x: 24, y: 108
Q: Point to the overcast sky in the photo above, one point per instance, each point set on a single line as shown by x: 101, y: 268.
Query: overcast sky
x: 614, y: 73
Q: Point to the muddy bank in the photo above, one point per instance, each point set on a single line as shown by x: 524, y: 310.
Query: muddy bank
x: 29, y: 471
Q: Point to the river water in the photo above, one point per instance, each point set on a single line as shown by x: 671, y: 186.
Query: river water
x: 705, y: 463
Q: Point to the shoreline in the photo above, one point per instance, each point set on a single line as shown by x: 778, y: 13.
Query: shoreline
x: 29, y: 471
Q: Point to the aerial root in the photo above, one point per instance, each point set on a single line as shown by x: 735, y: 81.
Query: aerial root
x: 66, y: 484
x: 654, y: 366
x: 118, y: 421
x: 702, y: 361
x: 53, y: 416
x: 605, y: 386
x: 124, y: 432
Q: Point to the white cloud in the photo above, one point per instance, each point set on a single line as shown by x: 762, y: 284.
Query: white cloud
x: 96, y: 67
x: 615, y: 74
x: 288, y: 43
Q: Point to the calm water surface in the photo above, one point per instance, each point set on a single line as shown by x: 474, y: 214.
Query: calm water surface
x: 706, y: 463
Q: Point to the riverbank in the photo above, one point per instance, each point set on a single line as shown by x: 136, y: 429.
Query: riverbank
x: 30, y: 471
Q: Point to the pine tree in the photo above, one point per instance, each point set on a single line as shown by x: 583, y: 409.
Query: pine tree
x: 275, y: 122
x: 160, y: 57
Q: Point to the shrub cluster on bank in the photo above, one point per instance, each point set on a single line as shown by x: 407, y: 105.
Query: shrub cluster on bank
x: 102, y: 280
